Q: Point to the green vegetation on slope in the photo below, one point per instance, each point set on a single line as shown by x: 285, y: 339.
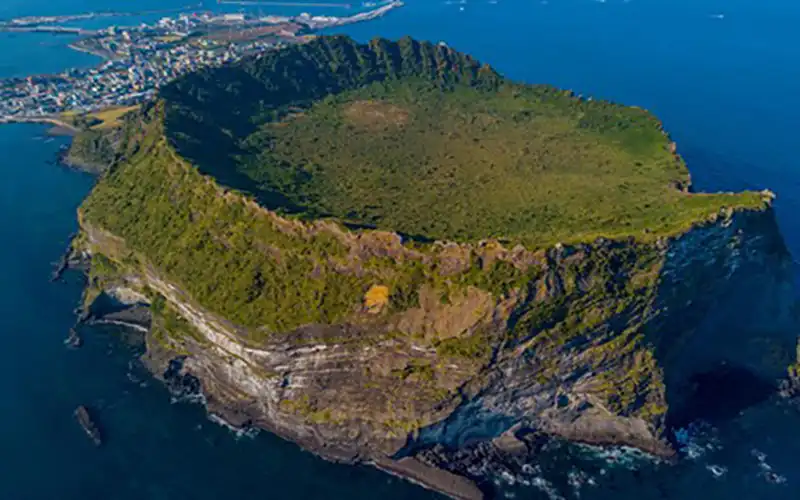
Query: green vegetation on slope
x: 599, y: 326
x: 246, y: 264
x: 92, y: 150
x: 273, y: 275
x: 102, y: 137
x: 419, y: 139
x: 217, y: 250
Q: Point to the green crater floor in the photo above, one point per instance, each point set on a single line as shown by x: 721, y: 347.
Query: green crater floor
x: 424, y: 150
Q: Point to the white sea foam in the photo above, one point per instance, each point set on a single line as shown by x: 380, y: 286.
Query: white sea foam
x: 248, y: 432
x: 194, y: 398
x: 774, y: 478
x: 623, y: 456
x: 547, y: 488
x: 717, y: 470
x: 577, y: 479
x: 121, y: 323
x: 766, y: 469
x: 697, y: 439
x: 508, y: 477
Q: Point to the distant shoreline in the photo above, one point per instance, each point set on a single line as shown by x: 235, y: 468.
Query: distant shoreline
x: 84, y: 44
x: 86, y: 50
x: 284, y: 4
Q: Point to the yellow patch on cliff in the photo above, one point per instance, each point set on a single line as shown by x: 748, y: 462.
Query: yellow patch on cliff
x: 376, y: 298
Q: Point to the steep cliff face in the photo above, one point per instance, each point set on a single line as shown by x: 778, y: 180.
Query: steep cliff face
x: 602, y: 352
x: 362, y: 344
x: 722, y: 303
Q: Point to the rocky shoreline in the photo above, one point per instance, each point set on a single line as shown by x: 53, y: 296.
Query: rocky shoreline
x: 168, y: 369
x: 465, y: 471
x: 446, y: 362
x: 67, y: 159
x: 468, y: 473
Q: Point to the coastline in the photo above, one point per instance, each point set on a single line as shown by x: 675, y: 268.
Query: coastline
x: 83, y: 43
x: 97, y: 53
x: 57, y: 123
x: 738, y: 469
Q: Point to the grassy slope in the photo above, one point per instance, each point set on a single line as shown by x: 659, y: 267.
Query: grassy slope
x: 419, y: 139
x: 529, y: 164
x: 418, y: 168
x: 111, y: 117
x: 238, y: 261
x: 103, y: 119
x: 464, y: 159
x: 94, y: 147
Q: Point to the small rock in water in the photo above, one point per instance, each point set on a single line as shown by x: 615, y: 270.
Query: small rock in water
x: 717, y: 470
x: 759, y: 455
x: 63, y: 262
x: 73, y: 340
x: 85, y: 420
x: 774, y: 478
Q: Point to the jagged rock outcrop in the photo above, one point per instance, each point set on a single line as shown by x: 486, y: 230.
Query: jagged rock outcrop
x: 88, y: 425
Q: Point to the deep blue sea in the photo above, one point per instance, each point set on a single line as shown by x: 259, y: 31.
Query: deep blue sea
x: 722, y: 74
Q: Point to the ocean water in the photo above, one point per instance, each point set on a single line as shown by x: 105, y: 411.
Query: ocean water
x: 722, y: 74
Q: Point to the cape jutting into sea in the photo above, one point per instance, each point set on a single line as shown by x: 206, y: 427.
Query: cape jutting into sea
x: 720, y: 74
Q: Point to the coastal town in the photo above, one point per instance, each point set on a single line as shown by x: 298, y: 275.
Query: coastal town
x: 140, y: 59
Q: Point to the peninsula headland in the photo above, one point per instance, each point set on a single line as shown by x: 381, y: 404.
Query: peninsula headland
x: 389, y: 253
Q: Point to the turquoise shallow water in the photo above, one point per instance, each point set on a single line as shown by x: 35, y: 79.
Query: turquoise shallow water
x: 726, y: 90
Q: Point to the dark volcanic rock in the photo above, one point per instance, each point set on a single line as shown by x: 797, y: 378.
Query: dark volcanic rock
x: 59, y: 269
x: 484, y: 460
x: 435, y: 478
x: 63, y: 262
x: 83, y: 315
x: 180, y: 383
x: 74, y: 340
x: 88, y: 424
x: 790, y: 387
